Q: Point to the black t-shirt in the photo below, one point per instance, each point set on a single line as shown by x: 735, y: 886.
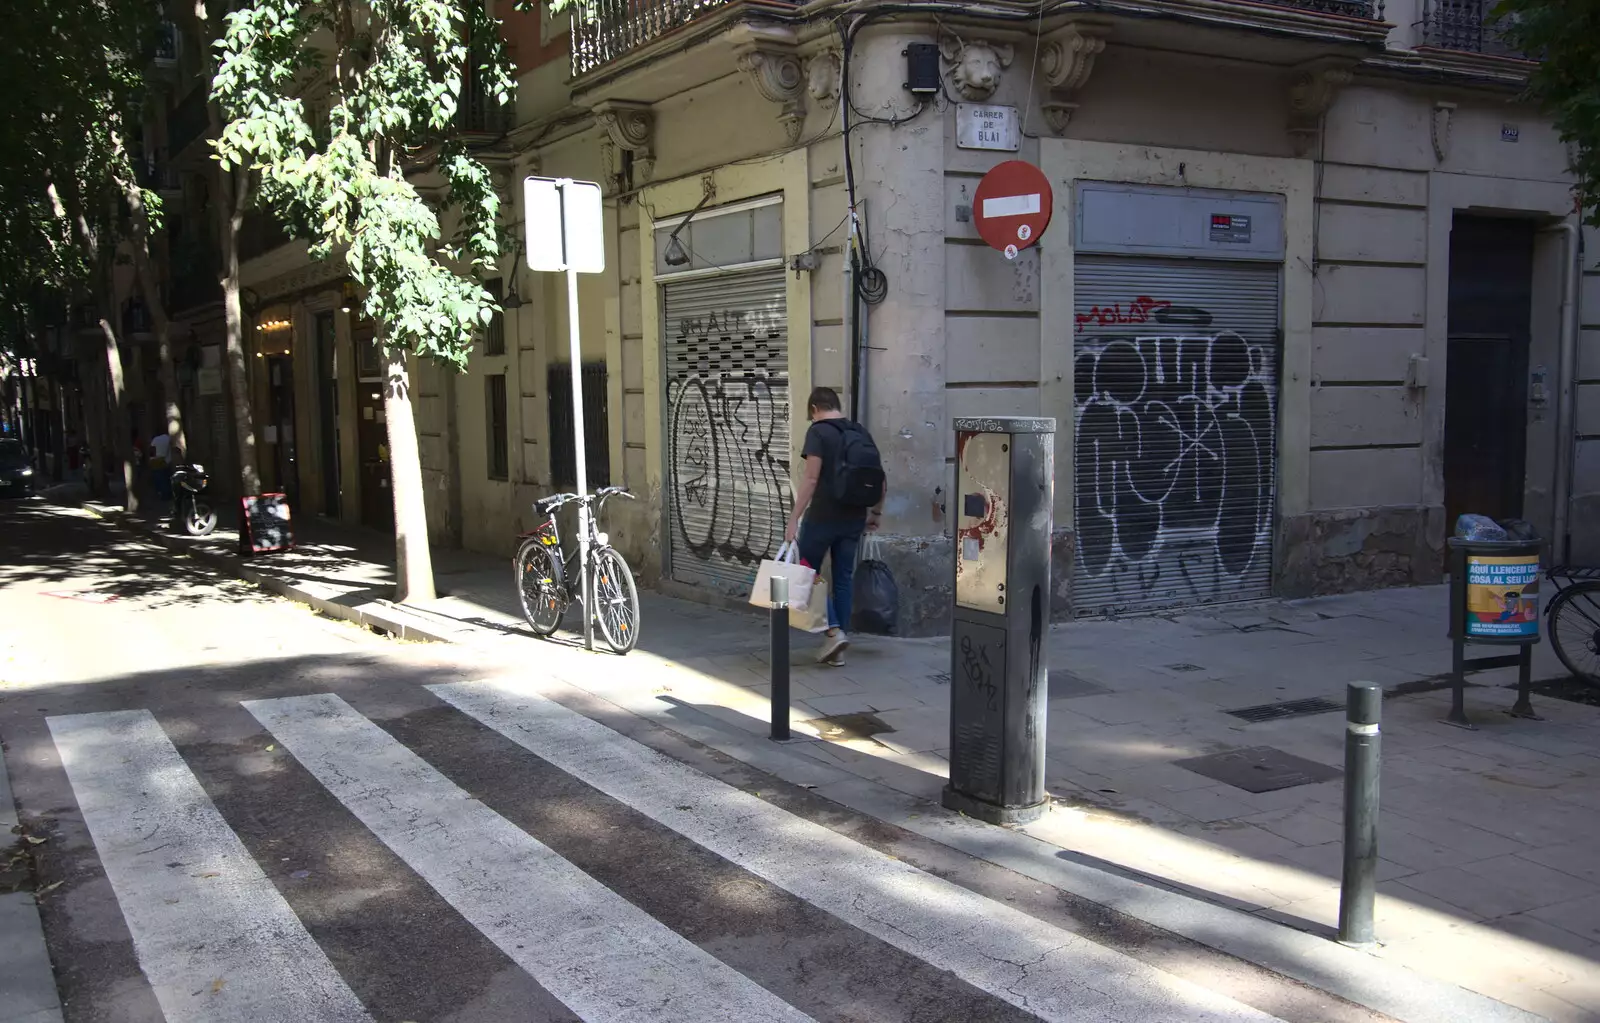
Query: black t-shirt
x: 824, y: 439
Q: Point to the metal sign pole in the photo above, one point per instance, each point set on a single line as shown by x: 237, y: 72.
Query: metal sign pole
x: 578, y: 249
x: 582, y: 467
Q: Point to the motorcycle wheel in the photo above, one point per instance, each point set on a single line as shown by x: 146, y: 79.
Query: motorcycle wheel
x: 201, y: 518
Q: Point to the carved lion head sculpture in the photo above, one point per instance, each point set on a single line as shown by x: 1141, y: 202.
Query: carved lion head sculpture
x: 975, y: 66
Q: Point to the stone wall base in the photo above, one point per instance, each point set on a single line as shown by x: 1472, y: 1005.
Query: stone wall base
x: 1360, y: 549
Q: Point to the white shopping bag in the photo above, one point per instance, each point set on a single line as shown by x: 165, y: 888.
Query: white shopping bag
x: 786, y: 565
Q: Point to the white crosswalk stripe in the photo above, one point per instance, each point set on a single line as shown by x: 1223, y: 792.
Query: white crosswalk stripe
x: 607, y: 960
x: 1025, y: 961
x: 217, y: 941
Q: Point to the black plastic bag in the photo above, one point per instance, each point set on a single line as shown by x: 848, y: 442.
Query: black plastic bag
x: 876, y: 597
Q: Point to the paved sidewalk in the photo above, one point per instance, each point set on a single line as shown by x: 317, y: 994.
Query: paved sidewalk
x: 1488, y: 877
x: 27, y: 983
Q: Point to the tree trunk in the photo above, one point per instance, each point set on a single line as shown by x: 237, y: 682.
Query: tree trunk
x: 413, y: 567
x: 121, y: 441
x: 232, y: 193
x: 92, y: 403
x: 144, y: 269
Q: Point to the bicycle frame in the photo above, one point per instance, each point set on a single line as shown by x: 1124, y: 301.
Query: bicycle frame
x: 548, y: 532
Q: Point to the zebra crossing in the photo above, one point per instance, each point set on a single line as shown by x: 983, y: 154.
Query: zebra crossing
x: 218, y: 941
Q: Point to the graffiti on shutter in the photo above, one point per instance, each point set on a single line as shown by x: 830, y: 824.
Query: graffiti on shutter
x: 727, y: 385
x: 1175, y: 445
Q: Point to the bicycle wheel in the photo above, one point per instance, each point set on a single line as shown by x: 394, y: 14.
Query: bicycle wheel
x: 539, y: 587
x: 1575, y: 630
x: 616, y: 600
x: 202, y: 518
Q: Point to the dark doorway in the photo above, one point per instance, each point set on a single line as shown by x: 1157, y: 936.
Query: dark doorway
x: 280, y: 421
x: 328, y: 400
x: 372, y: 432
x: 1486, y: 387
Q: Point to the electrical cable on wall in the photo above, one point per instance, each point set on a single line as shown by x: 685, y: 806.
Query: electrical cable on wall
x: 871, y: 284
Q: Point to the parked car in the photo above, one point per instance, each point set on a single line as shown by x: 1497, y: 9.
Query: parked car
x: 16, y: 468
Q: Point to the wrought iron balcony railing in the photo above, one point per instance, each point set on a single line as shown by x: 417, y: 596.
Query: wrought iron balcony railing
x: 480, y: 113
x: 614, y: 27
x: 1366, y: 10
x: 1465, y: 25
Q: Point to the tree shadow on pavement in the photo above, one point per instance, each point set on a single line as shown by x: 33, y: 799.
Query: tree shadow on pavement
x: 317, y: 854
x: 43, y: 545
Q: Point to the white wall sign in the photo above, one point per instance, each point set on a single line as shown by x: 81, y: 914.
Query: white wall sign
x: 987, y: 126
x: 209, y: 379
x: 565, y: 225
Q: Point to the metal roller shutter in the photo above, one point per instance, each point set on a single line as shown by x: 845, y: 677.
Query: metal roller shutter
x: 727, y: 390
x: 1175, y: 445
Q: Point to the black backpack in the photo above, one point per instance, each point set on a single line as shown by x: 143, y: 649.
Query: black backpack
x: 857, y: 477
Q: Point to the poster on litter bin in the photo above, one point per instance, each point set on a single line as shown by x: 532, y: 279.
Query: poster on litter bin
x: 1503, y: 596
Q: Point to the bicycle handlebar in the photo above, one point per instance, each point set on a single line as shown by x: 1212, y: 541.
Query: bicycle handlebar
x: 600, y: 496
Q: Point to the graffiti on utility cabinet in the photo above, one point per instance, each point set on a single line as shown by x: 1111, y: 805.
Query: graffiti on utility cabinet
x: 1175, y: 459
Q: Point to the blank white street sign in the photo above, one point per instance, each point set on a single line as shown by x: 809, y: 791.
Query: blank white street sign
x: 565, y: 225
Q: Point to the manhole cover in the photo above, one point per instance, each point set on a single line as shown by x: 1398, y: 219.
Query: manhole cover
x: 1064, y: 685
x: 1285, y: 709
x: 1259, y: 769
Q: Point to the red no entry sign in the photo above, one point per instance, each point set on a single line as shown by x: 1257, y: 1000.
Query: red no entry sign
x: 1012, y: 206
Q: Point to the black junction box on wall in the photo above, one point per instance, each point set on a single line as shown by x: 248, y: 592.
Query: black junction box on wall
x: 922, y: 68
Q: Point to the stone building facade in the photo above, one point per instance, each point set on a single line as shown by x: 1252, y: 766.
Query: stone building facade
x: 1313, y: 286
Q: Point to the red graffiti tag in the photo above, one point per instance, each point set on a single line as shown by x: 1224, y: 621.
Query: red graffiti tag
x: 1138, y: 311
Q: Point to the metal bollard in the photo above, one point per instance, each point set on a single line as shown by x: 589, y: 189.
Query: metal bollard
x: 1359, y: 888
x: 780, y: 659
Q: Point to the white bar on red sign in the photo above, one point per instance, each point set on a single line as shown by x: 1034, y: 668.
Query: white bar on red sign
x: 1011, y: 205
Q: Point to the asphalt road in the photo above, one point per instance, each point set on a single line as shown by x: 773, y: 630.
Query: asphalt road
x: 253, y: 813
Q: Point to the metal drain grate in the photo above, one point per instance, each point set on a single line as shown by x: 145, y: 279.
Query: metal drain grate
x: 1183, y: 667
x: 941, y: 678
x: 1286, y: 709
x: 1064, y: 685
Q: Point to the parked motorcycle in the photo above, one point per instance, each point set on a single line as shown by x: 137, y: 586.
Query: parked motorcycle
x: 191, y: 511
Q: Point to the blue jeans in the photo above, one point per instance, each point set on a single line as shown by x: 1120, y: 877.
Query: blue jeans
x: 839, y: 540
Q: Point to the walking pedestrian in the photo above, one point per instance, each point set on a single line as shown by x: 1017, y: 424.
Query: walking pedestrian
x: 160, y: 468
x: 840, y: 497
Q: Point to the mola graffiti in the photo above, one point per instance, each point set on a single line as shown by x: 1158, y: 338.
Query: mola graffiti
x: 1174, y: 474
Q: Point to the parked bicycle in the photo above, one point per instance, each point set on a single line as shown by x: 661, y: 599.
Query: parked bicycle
x: 1574, y: 615
x: 544, y: 586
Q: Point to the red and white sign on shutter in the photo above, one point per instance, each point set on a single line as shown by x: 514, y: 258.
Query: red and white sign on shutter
x: 1012, y: 206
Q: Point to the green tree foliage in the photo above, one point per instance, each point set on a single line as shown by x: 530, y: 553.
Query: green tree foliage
x: 394, y: 71
x: 1564, y: 35
x: 391, y: 76
x: 72, y: 75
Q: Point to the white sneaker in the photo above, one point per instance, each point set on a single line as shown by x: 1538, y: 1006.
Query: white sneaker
x: 833, y: 646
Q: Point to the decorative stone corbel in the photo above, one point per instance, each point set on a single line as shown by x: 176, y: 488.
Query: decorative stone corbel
x: 1067, y: 61
x: 774, y: 68
x: 1311, y: 93
x: 1439, y: 129
x: 630, y: 126
x: 824, y: 71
